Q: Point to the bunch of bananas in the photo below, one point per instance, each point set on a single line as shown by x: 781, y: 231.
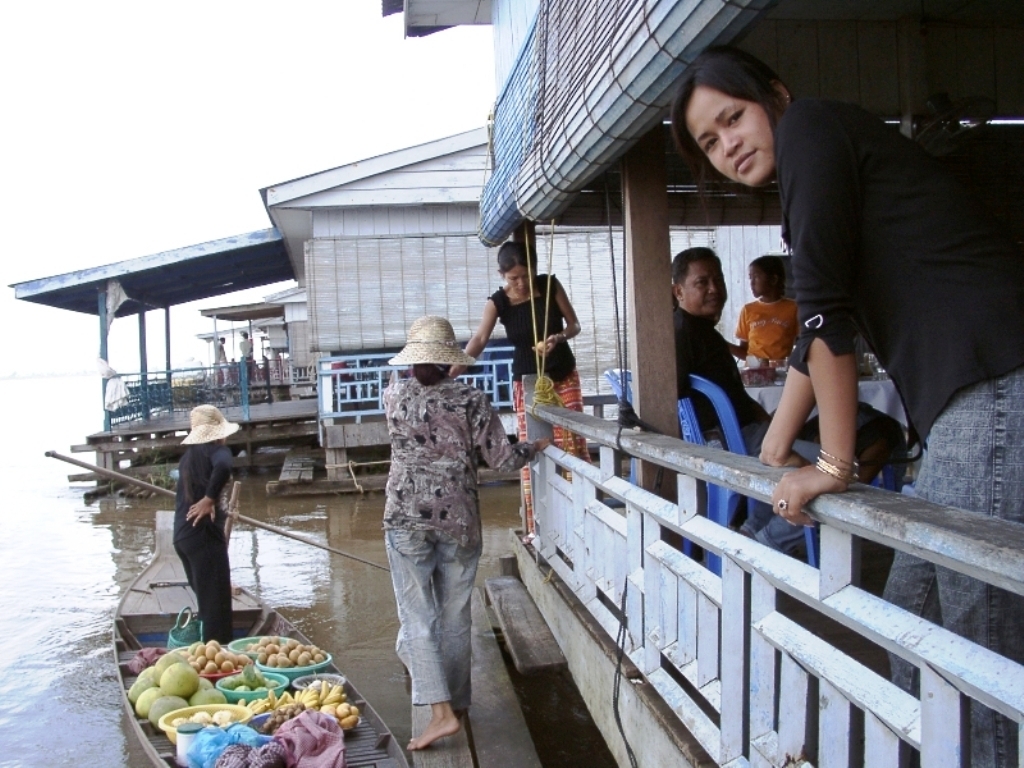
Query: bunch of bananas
x: 329, y: 699
x: 317, y: 696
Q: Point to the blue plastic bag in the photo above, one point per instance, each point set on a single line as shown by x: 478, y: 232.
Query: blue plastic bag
x: 212, y: 741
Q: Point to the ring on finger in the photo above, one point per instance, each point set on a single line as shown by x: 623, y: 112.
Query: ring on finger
x: 782, y: 504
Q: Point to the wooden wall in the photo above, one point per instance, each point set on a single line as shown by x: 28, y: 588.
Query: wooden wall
x: 871, y: 62
x: 391, y: 220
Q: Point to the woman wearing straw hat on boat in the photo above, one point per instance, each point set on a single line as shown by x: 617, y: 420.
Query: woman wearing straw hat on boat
x: 199, y: 537
x: 432, y: 515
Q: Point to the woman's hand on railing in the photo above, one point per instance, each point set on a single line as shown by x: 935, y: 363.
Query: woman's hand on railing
x: 541, y: 443
x: 800, y: 487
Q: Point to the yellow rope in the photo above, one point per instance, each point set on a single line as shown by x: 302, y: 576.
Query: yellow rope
x: 544, y: 393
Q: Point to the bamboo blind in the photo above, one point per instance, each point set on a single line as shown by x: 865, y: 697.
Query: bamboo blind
x: 364, y: 293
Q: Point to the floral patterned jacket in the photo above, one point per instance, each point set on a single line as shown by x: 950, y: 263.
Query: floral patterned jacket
x: 435, y: 432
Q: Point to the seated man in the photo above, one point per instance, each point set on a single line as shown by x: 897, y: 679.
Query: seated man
x: 698, y: 288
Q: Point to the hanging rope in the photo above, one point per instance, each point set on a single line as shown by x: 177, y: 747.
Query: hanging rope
x: 544, y: 392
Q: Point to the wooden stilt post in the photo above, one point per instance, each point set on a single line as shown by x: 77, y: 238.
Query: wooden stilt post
x: 167, y: 345
x: 143, y: 365
x: 101, y: 296
x: 649, y: 288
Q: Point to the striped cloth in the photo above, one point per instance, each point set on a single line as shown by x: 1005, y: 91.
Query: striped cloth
x: 572, y: 396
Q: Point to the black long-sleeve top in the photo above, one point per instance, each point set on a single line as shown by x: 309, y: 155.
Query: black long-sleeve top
x: 884, y: 239
x: 203, y: 473
x: 700, y: 349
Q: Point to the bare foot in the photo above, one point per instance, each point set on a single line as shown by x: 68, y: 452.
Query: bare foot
x: 443, y: 722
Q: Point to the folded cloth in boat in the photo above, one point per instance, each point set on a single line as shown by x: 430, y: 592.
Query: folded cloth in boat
x: 145, y: 658
x: 312, y: 740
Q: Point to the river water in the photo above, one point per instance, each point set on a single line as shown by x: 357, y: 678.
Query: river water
x: 64, y: 565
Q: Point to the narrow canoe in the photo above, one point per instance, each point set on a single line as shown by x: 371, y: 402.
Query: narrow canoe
x: 148, y: 610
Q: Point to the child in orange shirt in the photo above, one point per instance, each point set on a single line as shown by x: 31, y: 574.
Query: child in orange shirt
x: 767, y: 327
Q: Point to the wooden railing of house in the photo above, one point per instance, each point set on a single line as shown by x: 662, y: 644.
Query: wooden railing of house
x: 754, y: 687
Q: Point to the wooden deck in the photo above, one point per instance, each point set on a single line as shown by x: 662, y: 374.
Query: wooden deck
x: 287, y: 423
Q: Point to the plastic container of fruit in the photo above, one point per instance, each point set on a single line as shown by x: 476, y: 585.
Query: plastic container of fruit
x: 238, y: 646
x: 301, y: 683
x: 236, y: 697
x: 239, y: 713
x: 293, y: 672
x: 213, y: 677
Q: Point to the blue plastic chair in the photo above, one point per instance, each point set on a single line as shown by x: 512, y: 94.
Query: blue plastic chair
x: 723, y: 503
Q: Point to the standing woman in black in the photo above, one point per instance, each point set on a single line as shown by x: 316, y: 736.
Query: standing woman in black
x: 533, y: 340
x: 887, y: 243
x: 199, y: 516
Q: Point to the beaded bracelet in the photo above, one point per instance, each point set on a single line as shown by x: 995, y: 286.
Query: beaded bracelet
x: 843, y: 475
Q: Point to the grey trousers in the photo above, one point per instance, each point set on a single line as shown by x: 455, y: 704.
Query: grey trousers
x: 433, y: 579
x: 974, y: 461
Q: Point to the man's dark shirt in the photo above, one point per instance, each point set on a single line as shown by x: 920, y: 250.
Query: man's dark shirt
x: 700, y: 349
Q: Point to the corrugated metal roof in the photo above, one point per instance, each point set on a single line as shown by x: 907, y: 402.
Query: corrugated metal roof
x: 592, y: 78
x: 169, y: 278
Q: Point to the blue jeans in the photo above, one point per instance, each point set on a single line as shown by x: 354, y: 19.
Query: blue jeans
x: 433, y: 578
x: 974, y: 461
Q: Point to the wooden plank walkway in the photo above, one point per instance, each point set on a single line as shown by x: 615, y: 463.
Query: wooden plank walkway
x: 299, y: 464
x: 498, y: 727
x: 527, y: 635
x: 449, y: 752
x: 495, y: 730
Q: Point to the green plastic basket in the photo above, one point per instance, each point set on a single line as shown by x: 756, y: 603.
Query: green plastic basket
x: 293, y: 672
x: 241, y: 697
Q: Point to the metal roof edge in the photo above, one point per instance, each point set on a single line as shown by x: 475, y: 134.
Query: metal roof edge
x: 29, y: 288
x: 304, y: 186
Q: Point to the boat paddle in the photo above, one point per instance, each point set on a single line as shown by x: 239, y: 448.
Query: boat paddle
x: 103, y: 472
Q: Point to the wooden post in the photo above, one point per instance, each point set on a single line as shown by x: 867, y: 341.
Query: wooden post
x: 143, y: 365
x: 167, y: 345
x: 652, y: 352
x: 101, y: 296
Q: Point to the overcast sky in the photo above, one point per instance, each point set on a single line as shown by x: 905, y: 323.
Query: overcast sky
x: 133, y: 128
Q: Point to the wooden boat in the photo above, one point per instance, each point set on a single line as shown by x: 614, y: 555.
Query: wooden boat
x: 148, y: 610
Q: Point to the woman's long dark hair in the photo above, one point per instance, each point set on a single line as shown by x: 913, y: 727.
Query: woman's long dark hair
x: 735, y: 73
x: 514, y: 254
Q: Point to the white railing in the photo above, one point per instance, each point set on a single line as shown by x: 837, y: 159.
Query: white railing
x: 753, y: 686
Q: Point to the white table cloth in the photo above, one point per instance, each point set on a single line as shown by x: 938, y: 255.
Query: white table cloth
x: 878, y: 393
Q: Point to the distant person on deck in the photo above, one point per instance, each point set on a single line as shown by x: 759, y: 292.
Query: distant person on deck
x: 222, y: 360
x: 432, y: 515
x: 245, y: 348
x: 767, y: 327
x: 199, y: 515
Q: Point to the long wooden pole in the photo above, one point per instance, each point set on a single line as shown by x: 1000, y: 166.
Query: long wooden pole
x: 241, y: 518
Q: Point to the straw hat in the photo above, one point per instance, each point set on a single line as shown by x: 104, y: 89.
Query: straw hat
x: 208, y: 424
x: 431, y: 340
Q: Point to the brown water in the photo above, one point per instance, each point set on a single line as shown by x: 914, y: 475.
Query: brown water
x: 64, y: 565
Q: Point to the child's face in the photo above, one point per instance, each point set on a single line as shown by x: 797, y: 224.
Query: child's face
x: 760, y: 283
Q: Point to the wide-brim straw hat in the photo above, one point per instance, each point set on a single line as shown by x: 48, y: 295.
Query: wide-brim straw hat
x: 208, y: 424
x: 431, y: 340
